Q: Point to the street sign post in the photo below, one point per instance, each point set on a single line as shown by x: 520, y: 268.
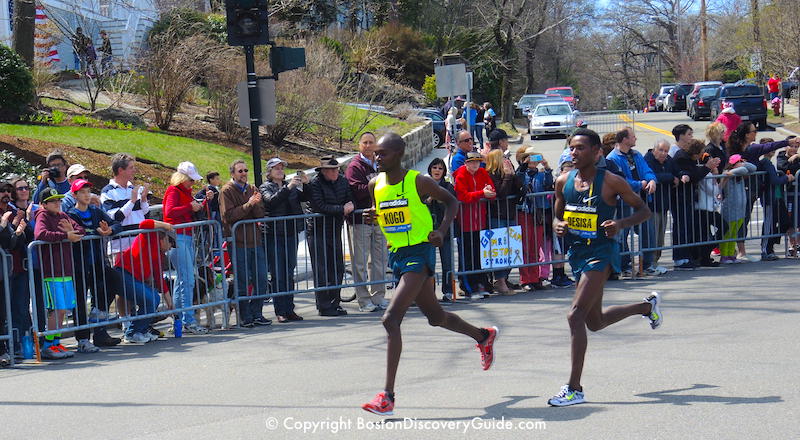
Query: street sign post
x: 266, y: 103
x: 451, y: 80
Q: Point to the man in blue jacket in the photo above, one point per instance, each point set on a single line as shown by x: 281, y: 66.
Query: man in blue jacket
x: 643, y: 182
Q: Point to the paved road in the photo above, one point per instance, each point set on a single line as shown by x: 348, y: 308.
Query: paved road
x: 722, y: 366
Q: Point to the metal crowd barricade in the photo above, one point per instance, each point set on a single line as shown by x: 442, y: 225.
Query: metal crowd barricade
x: 608, y: 121
x: 697, y: 216
x: 115, y: 294
x: 305, y: 253
x: 7, y: 333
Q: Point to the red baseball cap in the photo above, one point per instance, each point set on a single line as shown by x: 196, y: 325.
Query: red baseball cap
x: 78, y: 184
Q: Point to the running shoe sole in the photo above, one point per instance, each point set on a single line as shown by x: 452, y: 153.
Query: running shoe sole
x: 655, y: 300
x: 387, y: 413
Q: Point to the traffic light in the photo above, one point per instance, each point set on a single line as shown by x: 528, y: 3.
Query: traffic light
x: 248, y: 22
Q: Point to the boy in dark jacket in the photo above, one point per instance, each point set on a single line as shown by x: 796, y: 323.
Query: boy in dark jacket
x: 789, y: 163
x: 776, y: 216
x: 94, y: 272
x: 56, y: 262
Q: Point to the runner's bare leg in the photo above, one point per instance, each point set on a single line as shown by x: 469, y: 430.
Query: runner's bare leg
x: 416, y: 286
x: 587, y: 312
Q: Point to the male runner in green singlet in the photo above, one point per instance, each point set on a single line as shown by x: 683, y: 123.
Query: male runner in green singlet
x: 584, y: 212
x: 397, y: 195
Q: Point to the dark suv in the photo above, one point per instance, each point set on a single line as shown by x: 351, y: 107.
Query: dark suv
x: 676, y: 101
x: 748, y: 101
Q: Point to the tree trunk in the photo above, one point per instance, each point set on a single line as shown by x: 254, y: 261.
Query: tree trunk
x: 24, y: 20
x: 530, y: 81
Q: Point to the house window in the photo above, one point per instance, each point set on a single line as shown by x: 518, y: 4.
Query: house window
x: 105, y: 8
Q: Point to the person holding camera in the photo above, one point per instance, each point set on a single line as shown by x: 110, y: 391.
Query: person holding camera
x: 283, y: 198
x: 54, y: 176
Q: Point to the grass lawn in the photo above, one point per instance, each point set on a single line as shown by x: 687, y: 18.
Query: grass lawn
x: 353, y: 117
x: 161, y: 148
x: 509, y: 128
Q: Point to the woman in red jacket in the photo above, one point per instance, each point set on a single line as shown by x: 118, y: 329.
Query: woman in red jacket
x: 179, y: 205
x: 472, y: 183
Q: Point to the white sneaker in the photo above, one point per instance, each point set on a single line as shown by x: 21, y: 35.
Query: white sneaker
x: 137, y: 338
x: 566, y: 397
x: 151, y: 336
x: 5, y: 360
x: 626, y: 274
x: 476, y: 296
x: 194, y: 329
x: 86, y: 346
x: 654, y: 316
x: 369, y: 307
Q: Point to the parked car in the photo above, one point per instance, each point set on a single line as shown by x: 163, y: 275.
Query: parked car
x: 714, y: 85
x: 789, y: 89
x: 676, y: 100
x: 663, y: 91
x: 748, y: 101
x: 437, y: 121
x: 553, y: 118
x: 526, y: 103
x: 565, y: 92
x: 700, y: 107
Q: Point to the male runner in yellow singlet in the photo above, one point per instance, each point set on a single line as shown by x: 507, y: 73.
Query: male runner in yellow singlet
x: 397, y: 195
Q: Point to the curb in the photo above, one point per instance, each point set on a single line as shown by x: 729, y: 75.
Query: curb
x: 783, y: 131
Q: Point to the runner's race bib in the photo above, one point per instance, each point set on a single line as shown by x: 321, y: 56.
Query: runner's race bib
x: 581, y: 220
x: 394, y: 216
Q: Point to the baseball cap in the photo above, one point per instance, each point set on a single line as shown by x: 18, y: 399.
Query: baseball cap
x: 78, y: 184
x: 497, y: 134
x: 471, y: 157
x: 275, y: 161
x: 49, y: 194
x: 190, y: 170
x: 75, y: 169
x: 735, y: 158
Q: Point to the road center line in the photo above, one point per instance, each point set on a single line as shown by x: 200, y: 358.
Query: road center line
x: 626, y: 118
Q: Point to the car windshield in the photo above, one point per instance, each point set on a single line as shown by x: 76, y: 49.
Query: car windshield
x: 432, y: 115
x: 744, y: 90
x: 527, y: 101
x: 553, y: 110
x: 684, y: 88
x: 707, y: 92
x: 562, y: 92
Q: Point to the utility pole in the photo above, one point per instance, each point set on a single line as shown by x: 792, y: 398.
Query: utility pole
x: 757, y: 41
x: 704, y: 38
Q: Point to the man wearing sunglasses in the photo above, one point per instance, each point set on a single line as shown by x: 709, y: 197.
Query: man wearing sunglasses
x: 241, y: 201
x: 465, y: 146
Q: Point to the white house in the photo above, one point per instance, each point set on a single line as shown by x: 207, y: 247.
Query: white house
x: 125, y: 21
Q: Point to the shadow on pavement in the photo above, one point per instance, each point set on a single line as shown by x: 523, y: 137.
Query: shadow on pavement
x: 670, y: 397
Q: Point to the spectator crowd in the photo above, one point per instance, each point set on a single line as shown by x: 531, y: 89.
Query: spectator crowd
x: 102, y: 253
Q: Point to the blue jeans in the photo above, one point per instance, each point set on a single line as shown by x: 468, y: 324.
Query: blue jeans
x: 20, y: 305
x: 282, y: 255
x: 477, y: 133
x: 446, y: 256
x: 144, y: 298
x: 647, y: 234
x: 500, y: 223
x: 182, y: 259
x: 251, y: 268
